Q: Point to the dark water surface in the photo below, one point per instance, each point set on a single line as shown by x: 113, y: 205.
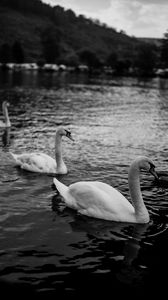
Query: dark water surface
x: 48, y: 249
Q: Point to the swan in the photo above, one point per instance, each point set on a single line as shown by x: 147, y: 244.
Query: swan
x: 7, y: 122
x: 100, y: 200
x: 43, y: 163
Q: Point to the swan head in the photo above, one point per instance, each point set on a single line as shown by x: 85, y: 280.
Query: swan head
x: 5, y: 104
x: 64, y: 132
x: 145, y: 163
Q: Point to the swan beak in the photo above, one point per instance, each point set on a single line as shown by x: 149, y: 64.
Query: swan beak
x: 71, y: 138
x: 68, y: 135
x: 153, y: 172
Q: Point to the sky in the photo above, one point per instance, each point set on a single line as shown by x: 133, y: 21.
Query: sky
x: 138, y: 18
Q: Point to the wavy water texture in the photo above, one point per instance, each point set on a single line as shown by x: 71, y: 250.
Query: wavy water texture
x: 46, y: 248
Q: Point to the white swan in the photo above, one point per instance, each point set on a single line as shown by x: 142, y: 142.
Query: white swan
x: 100, y: 200
x: 43, y: 163
x: 7, y: 122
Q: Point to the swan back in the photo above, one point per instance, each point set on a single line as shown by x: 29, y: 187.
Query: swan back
x: 35, y: 162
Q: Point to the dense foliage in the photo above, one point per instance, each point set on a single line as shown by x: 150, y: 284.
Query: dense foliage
x: 32, y: 31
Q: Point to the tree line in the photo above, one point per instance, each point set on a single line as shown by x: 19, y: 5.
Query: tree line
x: 148, y: 57
x: 62, y: 43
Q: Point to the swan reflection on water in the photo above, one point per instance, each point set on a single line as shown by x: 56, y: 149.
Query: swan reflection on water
x: 6, y: 138
x: 52, y: 247
x: 122, y: 244
x: 100, y: 200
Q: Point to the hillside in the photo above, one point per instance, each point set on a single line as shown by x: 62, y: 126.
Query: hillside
x: 25, y: 29
x: 41, y: 29
x: 155, y: 41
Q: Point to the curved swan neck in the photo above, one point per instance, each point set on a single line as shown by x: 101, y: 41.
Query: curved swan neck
x: 135, y: 192
x: 6, y: 116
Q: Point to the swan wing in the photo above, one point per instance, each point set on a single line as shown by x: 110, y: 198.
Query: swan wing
x: 36, y: 162
x: 2, y: 124
x: 99, y: 200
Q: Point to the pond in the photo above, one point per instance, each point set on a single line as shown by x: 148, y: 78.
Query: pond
x: 48, y: 249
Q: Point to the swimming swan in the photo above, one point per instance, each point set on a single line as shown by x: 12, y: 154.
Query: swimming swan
x: 7, y: 122
x: 43, y: 163
x: 100, y: 200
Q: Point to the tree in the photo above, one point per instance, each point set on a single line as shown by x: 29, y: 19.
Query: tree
x: 146, y: 59
x: 69, y: 59
x: 50, y: 42
x: 119, y: 65
x: 59, y: 15
x: 71, y: 16
x: 112, y: 60
x: 89, y: 58
x: 5, y: 53
x: 17, y: 53
x: 164, y: 51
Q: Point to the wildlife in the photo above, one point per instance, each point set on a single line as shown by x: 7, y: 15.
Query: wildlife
x: 43, y: 163
x: 6, y: 123
x: 100, y: 200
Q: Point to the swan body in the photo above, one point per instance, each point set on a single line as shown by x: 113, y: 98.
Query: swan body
x: 36, y: 162
x: 100, y: 200
x: 43, y: 163
x: 7, y: 122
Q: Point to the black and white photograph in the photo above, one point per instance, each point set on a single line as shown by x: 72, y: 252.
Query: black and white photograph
x: 83, y: 149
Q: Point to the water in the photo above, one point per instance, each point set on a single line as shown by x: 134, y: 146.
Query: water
x: 48, y: 249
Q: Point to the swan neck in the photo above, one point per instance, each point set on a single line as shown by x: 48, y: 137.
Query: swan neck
x: 58, y: 150
x: 6, y: 116
x: 135, y: 193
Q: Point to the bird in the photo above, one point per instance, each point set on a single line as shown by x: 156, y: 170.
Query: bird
x: 100, y: 200
x: 43, y: 163
x: 7, y: 122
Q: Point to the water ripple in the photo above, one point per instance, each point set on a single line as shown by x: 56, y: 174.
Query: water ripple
x: 44, y: 245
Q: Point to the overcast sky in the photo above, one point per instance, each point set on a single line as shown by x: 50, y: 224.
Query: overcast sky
x: 139, y: 18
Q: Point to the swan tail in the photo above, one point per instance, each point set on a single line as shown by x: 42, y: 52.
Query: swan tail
x: 64, y: 192
x: 15, y: 157
x: 62, y: 188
